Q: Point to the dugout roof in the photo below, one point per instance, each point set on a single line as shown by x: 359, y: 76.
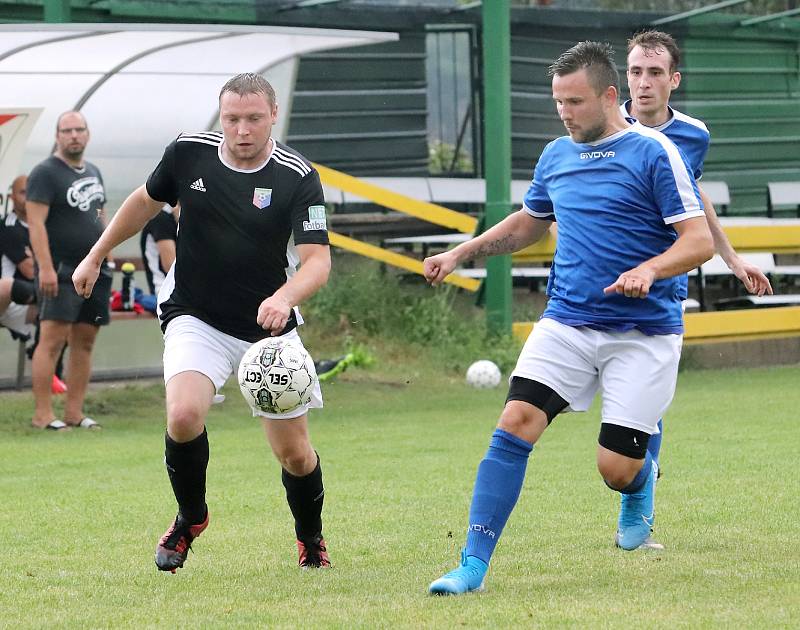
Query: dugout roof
x: 141, y: 85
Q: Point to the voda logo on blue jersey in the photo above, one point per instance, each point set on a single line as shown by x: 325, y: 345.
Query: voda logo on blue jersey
x: 590, y: 155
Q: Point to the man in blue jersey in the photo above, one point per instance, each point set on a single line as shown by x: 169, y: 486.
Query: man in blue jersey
x: 653, y: 58
x: 629, y: 221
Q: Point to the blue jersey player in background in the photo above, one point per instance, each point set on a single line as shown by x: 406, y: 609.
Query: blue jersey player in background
x: 653, y: 58
x: 630, y: 222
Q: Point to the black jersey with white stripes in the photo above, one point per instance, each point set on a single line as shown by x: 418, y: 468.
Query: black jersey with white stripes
x: 161, y: 227
x: 237, y: 230
x: 15, y: 246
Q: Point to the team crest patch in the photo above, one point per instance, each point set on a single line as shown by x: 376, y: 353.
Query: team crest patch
x: 316, y: 219
x: 262, y: 197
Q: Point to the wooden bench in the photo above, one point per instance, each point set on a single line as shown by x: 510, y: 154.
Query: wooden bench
x: 438, y: 190
x: 755, y: 301
x: 781, y: 195
x: 427, y: 241
x: 116, y: 316
x: 719, y: 195
x: 764, y: 261
x: 520, y: 275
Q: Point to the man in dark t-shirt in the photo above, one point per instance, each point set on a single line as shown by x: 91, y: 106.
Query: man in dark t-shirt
x: 251, y: 210
x: 65, y: 208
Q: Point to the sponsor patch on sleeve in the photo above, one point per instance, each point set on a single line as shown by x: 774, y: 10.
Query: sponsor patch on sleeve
x: 316, y: 219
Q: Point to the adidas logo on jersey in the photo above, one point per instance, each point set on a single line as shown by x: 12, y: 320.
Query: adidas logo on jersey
x: 198, y: 185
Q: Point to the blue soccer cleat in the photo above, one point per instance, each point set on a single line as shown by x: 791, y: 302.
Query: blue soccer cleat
x: 637, y: 514
x: 467, y: 578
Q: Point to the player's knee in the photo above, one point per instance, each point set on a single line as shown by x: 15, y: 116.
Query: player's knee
x: 519, y: 418
x: 81, y: 344
x: 22, y: 292
x: 530, y: 407
x: 621, y: 454
x: 616, y: 477
x: 184, y: 420
x: 297, y: 459
x: 538, y: 395
x: 51, y: 347
x: 5, y: 287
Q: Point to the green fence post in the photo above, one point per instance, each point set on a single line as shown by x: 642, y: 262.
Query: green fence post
x: 497, y: 153
x: 57, y: 11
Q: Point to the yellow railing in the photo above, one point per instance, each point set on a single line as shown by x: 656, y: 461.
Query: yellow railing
x: 397, y: 260
x: 430, y: 212
x: 722, y: 326
x: 778, y: 239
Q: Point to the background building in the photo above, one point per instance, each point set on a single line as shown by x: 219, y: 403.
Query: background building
x: 412, y: 105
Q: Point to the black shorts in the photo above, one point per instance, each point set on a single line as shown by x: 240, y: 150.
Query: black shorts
x: 23, y: 291
x: 68, y: 306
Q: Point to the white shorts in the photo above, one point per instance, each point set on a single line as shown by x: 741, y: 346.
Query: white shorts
x: 636, y: 373
x: 14, y: 319
x: 191, y: 345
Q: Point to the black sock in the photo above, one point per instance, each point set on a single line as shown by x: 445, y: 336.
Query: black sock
x: 186, y: 465
x: 305, y: 496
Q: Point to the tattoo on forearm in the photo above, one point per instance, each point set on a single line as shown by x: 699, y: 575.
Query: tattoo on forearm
x: 504, y: 245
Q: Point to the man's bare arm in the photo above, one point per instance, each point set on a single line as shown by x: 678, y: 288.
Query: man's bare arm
x: 693, y: 247
x: 517, y: 231
x: 751, y: 276
x: 131, y: 217
x: 40, y: 244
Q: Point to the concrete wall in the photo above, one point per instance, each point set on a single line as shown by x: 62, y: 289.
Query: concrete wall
x: 125, y: 348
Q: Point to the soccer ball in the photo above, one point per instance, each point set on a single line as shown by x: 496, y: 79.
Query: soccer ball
x: 276, y: 376
x: 483, y: 374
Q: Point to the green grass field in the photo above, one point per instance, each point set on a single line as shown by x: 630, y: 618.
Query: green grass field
x: 82, y: 512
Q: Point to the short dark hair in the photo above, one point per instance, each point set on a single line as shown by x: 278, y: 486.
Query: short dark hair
x: 249, y: 83
x: 596, y: 57
x: 650, y: 40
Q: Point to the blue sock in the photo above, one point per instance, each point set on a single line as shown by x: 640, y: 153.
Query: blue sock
x: 497, y: 488
x: 654, y: 445
x: 641, y: 476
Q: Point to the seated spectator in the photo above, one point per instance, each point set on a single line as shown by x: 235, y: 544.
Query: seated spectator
x: 18, y: 311
x: 16, y: 268
x: 157, y: 242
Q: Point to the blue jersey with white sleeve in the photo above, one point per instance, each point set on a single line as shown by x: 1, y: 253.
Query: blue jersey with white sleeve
x: 615, y: 201
x: 690, y: 134
x: 692, y: 137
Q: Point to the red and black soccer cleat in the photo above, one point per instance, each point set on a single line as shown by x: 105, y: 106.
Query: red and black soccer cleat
x: 174, y: 545
x: 313, y: 554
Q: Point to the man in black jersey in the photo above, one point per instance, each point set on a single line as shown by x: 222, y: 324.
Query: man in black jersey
x: 251, y: 209
x: 157, y: 244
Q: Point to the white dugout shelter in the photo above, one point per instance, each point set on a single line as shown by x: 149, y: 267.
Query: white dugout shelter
x: 139, y: 86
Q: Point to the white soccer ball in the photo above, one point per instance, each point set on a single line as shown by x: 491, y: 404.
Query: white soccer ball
x: 483, y: 374
x: 276, y: 376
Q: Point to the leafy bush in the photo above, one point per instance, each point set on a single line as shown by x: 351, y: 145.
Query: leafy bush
x: 442, y: 159
x: 366, y: 302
